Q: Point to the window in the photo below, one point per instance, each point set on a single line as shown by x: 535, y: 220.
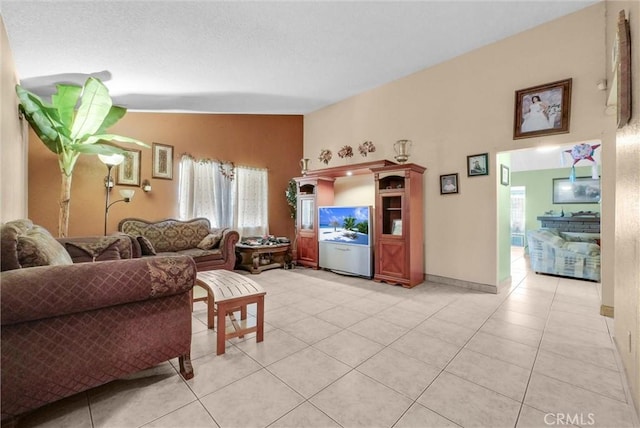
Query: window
x: 227, y: 195
x: 518, y: 216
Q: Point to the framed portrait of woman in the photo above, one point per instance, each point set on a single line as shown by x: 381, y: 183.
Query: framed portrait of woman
x: 542, y: 110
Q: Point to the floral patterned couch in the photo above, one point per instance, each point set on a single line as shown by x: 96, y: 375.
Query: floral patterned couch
x: 67, y: 327
x: 209, y: 248
x: 564, y: 254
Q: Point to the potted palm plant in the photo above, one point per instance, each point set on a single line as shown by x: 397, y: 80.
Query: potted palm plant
x: 74, y: 123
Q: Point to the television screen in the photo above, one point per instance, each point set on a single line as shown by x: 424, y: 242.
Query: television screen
x: 346, y: 225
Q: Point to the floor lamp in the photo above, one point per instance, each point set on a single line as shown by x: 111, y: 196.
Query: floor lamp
x: 110, y: 161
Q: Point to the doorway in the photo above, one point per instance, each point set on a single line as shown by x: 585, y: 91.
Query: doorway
x: 530, y: 195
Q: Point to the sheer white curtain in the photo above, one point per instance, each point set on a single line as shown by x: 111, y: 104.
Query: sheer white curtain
x: 205, y: 192
x: 238, y: 199
x: 185, y: 187
x: 251, y: 214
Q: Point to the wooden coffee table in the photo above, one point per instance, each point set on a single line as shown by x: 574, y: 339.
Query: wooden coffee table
x: 258, y: 258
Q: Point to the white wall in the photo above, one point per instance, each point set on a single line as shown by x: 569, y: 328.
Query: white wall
x: 13, y: 147
x: 627, y: 212
x: 465, y: 107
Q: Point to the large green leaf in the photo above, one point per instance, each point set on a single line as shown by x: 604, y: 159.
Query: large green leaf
x: 35, y: 111
x: 65, y: 101
x: 115, y: 114
x: 113, y: 137
x: 96, y: 149
x: 95, y: 104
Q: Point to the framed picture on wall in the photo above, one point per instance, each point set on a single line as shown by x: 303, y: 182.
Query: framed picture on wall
x: 504, y: 175
x: 622, y: 68
x: 584, y: 190
x: 542, y: 110
x: 128, y: 172
x: 448, y: 184
x: 478, y: 165
x: 162, y: 161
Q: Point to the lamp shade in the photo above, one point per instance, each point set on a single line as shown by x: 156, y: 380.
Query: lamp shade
x: 127, y: 194
x: 112, y: 160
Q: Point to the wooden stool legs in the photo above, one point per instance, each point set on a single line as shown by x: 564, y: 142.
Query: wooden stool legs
x: 226, y: 308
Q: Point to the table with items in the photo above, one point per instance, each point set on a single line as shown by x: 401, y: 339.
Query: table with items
x: 260, y: 254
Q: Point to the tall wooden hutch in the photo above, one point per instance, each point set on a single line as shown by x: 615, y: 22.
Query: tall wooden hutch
x: 398, y: 226
x: 312, y: 193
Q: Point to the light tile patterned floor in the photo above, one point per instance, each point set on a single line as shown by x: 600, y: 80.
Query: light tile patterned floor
x: 348, y: 352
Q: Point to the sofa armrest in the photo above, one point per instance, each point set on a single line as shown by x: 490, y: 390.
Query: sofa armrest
x: 48, y: 291
x: 228, y: 243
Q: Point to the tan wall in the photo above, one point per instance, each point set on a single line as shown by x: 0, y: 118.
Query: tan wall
x: 465, y: 107
x: 13, y: 147
x: 627, y: 211
x: 265, y: 141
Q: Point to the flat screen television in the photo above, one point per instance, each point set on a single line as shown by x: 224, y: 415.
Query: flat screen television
x: 345, y: 224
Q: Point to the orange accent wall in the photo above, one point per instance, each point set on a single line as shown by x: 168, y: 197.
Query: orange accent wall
x: 265, y: 141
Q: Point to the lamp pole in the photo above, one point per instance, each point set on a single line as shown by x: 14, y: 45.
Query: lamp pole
x: 110, y: 161
x: 106, y: 201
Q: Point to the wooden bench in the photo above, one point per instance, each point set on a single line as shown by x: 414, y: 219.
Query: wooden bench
x: 231, y: 292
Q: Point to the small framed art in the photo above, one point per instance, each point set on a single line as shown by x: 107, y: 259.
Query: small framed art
x: 448, y: 184
x: 162, y: 161
x: 397, y: 227
x: 583, y: 190
x: 478, y: 165
x: 622, y: 68
x: 504, y: 175
x: 128, y: 172
x: 542, y: 110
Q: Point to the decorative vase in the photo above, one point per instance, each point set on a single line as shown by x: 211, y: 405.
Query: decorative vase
x: 304, y: 164
x: 402, y: 149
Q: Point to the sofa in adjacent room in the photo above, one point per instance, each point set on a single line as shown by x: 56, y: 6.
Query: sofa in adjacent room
x: 210, y: 248
x: 67, y: 327
x: 565, y: 254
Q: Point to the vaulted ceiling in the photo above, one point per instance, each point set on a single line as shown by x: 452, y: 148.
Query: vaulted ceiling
x: 290, y: 57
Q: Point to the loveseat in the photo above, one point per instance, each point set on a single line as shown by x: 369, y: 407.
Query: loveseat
x: 209, y: 248
x: 67, y: 327
x: 564, y: 254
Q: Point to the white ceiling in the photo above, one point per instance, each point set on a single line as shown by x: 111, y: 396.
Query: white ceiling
x: 289, y: 57
x: 550, y: 157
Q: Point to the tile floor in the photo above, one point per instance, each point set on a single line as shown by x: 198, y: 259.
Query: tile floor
x: 347, y: 352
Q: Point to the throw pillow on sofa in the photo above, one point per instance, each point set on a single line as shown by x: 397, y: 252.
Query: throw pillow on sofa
x: 585, y: 248
x: 146, y: 246
x: 212, y: 240
x: 38, y: 248
x: 101, y: 250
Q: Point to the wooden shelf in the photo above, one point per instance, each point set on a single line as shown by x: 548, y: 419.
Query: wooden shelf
x: 354, y: 169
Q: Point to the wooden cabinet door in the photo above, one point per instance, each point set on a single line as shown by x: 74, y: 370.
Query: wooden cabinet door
x: 392, y: 259
x: 308, y: 249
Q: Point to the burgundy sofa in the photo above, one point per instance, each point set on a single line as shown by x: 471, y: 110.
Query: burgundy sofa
x: 67, y: 327
x: 209, y: 248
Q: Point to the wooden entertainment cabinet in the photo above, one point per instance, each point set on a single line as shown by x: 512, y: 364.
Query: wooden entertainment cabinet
x: 397, y: 221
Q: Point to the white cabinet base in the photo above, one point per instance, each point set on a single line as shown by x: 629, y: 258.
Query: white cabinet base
x: 345, y: 258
